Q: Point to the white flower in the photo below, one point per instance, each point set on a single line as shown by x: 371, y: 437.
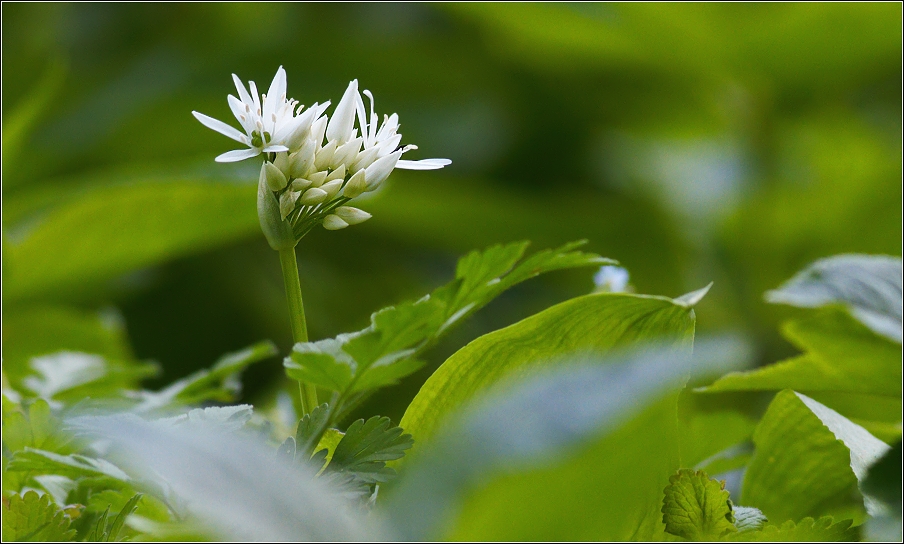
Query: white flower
x: 272, y: 123
x: 611, y: 279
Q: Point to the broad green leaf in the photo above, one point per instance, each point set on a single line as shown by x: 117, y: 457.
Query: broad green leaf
x: 219, y: 383
x: 597, y: 322
x: 71, y: 376
x: 825, y: 529
x: 696, y: 507
x: 883, y: 479
x: 748, y: 518
x: 106, y: 230
x: 34, y: 427
x: 580, y: 452
x: 33, y: 518
x: 845, y: 365
x: 231, y: 482
x: 716, y: 428
x: 808, y: 460
x: 386, y: 351
x: 25, y: 335
x: 869, y: 285
x: 367, y: 446
x: 73, y: 465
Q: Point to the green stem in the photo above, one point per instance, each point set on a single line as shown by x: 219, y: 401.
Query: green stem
x: 307, y: 391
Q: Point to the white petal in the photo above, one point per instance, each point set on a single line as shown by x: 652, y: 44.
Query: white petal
x: 243, y: 93
x: 238, y: 155
x: 220, y: 127
x: 275, y: 94
x: 238, y: 109
x: 255, y: 97
x: 343, y: 120
x: 423, y: 164
x: 275, y: 148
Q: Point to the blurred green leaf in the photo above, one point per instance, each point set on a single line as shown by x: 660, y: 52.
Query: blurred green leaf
x: 748, y: 518
x: 869, y: 285
x: 580, y: 452
x: 33, y: 518
x: 385, y: 351
x: 41, y: 330
x: 598, y: 322
x: 808, y: 461
x: 825, y: 529
x: 72, y: 465
x: 75, y: 376
x: 696, y: 507
x: 883, y: 480
x: 229, y: 418
x: 109, y: 230
x: 219, y: 383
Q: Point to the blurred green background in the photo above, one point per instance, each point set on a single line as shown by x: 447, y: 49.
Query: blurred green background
x: 692, y: 142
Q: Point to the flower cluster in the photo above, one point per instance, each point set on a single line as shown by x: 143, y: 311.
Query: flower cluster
x: 314, y: 164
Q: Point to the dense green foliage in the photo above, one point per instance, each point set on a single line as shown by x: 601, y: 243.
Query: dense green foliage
x: 504, y: 397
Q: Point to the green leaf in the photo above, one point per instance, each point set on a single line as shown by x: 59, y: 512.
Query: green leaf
x: 696, y: 507
x: 35, y: 427
x: 883, y: 479
x: 581, y: 452
x: 72, y: 465
x: 806, y: 530
x: 598, y: 322
x: 229, y: 418
x: 33, y: 518
x: 807, y: 461
x: 219, y: 383
x: 72, y: 376
x: 869, y: 285
x: 748, y: 519
x: 25, y: 335
x: 110, y: 533
x: 386, y: 351
x: 310, y: 430
x: 97, y: 233
x: 367, y: 446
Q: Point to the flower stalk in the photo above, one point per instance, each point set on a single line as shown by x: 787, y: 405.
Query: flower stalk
x: 297, y: 319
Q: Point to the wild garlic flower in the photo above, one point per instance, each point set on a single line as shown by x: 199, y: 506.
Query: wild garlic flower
x: 313, y: 164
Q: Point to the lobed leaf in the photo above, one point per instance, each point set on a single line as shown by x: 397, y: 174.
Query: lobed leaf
x: 696, y: 507
x: 825, y: 529
x: 33, y: 518
x: 367, y: 446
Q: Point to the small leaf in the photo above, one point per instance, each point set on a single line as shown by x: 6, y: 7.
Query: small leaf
x: 322, y: 363
x: 806, y: 530
x: 869, y: 285
x: 689, y: 300
x: 310, y: 428
x: 127, y: 510
x: 696, y: 507
x: 31, y: 517
x: 748, y: 518
x: 367, y: 446
x: 73, y: 465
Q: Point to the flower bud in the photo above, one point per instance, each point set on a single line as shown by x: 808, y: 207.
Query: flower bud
x: 356, y: 185
x: 340, y: 127
x: 324, y: 155
x: 338, y: 173
x: 378, y: 171
x: 282, y: 162
x: 351, y: 215
x: 287, y: 203
x: 346, y: 152
x: 313, y: 196
x: 302, y: 162
x: 333, y: 222
x: 317, y: 178
x: 318, y: 129
x: 300, y: 184
x: 274, y: 179
x: 332, y: 187
x: 365, y: 159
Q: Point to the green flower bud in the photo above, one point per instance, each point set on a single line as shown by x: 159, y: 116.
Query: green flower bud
x: 275, y: 179
x: 332, y: 187
x: 313, y: 196
x: 323, y: 157
x: 351, y: 215
x: 356, y: 185
x: 300, y: 184
x: 317, y: 178
x: 287, y: 203
x: 333, y: 222
x: 338, y: 173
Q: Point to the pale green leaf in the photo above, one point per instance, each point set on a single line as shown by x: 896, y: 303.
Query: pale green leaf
x: 33, y: 518
x: 696, y: 507
x: 74, y: 376
x: 806, y: 530
x: 869, y: 285
x: 598, y: 322
x: 807, y: 461
x: 581, y: 452
x: 73, y: 465
x: 748, y: 518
